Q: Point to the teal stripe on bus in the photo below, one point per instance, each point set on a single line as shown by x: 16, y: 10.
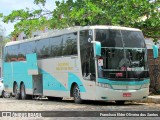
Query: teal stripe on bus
x: 72, y: 78
x: 51, y: 83
x: 111, y: 82
x: 20, y: 73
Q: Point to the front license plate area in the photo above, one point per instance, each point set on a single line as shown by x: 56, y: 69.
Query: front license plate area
x: 127, y: 94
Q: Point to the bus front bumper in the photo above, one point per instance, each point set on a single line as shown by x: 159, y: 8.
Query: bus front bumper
x: 111, y: 94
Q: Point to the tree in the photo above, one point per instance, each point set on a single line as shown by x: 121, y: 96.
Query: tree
x: 130, y: 13
x: 2, y: 30
x: 3, y: 39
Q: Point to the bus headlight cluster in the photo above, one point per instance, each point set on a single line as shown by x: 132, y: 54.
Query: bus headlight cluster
x: 145, y: 86
x: 104, y: 85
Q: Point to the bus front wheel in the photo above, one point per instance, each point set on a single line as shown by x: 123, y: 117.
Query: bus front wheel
x: 76, y: 95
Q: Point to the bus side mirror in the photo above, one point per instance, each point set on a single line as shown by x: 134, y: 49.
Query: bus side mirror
x: 97, y: 45
x: 155, y: 51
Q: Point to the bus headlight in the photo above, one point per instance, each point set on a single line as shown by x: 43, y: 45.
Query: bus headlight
x: 145, y: 86
x: 104, y: 85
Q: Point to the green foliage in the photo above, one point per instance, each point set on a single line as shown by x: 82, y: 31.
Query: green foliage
x: 40, y: 2
x: 3, y: 40
x: 2, y: 31
x: 130, y: 13
x: 1, y: 15
x: 151, y: 25
x: 28, y: 21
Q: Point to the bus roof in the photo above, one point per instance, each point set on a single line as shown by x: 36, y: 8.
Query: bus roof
x: 69, y: 30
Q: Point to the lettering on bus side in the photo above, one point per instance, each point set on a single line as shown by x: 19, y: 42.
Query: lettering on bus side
x: 64, y: 66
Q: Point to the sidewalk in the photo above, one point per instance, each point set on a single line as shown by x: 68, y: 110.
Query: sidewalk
x: 151, y: 99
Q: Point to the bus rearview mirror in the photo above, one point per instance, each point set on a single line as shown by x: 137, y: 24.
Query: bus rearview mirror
x: 97, y: 45
x: 155, y: 51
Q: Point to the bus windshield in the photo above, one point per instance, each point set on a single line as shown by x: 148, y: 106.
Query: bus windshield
x: 123, y: 54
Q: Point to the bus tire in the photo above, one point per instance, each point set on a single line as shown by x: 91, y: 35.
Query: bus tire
x: 16, y: 92
x: 2, y: 94
x: 23, y: 92
x: 76, y: 95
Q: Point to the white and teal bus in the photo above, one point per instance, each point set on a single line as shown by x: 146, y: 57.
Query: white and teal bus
x: 85, y: 63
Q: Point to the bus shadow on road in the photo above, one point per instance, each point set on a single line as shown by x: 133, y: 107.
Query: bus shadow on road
x: 110, y: 103
x: 99, y: 103
x: 86, y: 102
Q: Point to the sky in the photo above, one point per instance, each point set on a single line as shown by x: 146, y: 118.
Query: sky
x: 7, y: 6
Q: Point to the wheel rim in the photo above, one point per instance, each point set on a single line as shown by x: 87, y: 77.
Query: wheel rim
x: 76, y: 93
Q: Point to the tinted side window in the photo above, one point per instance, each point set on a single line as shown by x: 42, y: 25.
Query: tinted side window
x: 7, y: 54
x: 12, y: 53
x: 18, y: 52
x: 22, y: 52
x: 31, y: 47
x: 69, y: 44
x: 42, y: 48
x: 55, y: 46
x: 26, y: 48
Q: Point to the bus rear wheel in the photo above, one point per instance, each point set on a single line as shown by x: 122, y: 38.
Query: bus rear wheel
x: 76, y: 95
x: 16, y: 92
x: 23, y: 92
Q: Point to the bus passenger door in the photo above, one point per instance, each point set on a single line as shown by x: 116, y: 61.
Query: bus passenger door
x: 87, y: 63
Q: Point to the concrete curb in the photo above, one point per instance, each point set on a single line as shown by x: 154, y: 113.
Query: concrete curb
x: 151, y: 99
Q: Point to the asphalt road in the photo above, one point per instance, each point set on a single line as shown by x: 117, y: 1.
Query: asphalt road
x: 10, y: 104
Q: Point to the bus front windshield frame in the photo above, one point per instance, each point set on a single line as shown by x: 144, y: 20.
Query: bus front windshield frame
x: 124, y: 54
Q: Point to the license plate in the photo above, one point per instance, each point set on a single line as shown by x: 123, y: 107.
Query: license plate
x: 127, y: 94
